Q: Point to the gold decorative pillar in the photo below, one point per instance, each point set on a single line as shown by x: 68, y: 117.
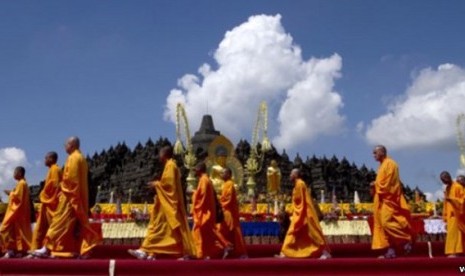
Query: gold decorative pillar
x: 188, y: 154
x: 255, y: 161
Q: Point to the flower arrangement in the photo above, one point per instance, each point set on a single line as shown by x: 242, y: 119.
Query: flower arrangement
x: 140, y: 217
x: 331, y: 216
x: 417, y: 207
x: 353, y: 209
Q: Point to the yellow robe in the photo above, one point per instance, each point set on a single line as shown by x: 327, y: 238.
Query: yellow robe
x: 70, y: 232
x: 391, y: 213
x: 168, y: 232
x: 49, y: 203
x: 453, y: 216
x: 304, y: 237
x: 230, y: 228
x: 15, y: 232
x: 208, y: 241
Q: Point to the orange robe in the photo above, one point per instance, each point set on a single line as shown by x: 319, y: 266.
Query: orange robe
x: 391, y: 213
x: 304, y: 237
x: 49, y: 203
x: 15, y: 232
x: 168, y: 232
x: 70, y: 232
x: 453, y: 216
x: 230, y: 228
x: 208, y: 241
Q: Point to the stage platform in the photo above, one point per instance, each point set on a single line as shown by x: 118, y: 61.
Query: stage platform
x: 348, y: 259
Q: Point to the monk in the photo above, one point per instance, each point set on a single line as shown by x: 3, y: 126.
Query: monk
x: 209, y: 243
x: 15, y: 232
x: 48, y: 199
x: 304, y: 237
x: 70, y: 234
x: 168, y: 233
x: 391, y: 213
x: 230, y: 227
x: 453, y: 216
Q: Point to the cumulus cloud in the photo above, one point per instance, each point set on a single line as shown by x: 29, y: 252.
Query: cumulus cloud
x: 425, y: 116
x: 257, y: 61
x: 435, y: 195
x: 9, y: 159
x: 439, y: 194
x: 359, y: 127
x: 460, y: 171
x: 429, y: 196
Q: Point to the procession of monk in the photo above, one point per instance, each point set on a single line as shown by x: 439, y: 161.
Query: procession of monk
x: 63, y: 229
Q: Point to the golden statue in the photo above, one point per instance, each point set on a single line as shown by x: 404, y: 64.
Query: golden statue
x: 273, y: 174
x: 217, y: 168
x: 221, y: 156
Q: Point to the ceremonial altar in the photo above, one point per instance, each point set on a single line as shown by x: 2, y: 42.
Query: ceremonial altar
x: 267, y: 232
x: 435, y: 226
x: 346, y: 231
x: 259, y: 226
x: 110, y: 210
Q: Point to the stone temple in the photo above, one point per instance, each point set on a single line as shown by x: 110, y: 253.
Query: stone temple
x: 204, y: 136
x: 126, y: 171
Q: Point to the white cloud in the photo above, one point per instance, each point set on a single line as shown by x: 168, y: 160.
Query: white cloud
x: 9, y: 159
x: 460, y: 171
x: 429, y: 196
x: 439, y: 194
x: 435, y: 195
x: 257, y: 61
x: 360, y: 126
x: 425, y: 116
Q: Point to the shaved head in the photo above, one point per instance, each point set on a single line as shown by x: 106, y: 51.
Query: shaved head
x: 226, y: 174
x: 201, y: 168
x: 73, y: 143
x: 51, y: 158
x: 446, y: 178
x: 19, y: 173
x: 381, y: 148
x: 295, y: 174
x: 379, y: 153
x: 52, y: 155
x: 166, y: 152
x: 445, y: 174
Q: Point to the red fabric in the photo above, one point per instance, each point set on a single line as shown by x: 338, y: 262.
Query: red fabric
x: 418, y: 225
x: 352, y: 259
x: 349, y: 266
x: 349, y: 250
x: 253, y: 266
x: 53, y: 267
x: 97, y: 227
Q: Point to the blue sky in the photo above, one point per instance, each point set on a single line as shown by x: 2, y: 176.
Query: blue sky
x: 392, y: 71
